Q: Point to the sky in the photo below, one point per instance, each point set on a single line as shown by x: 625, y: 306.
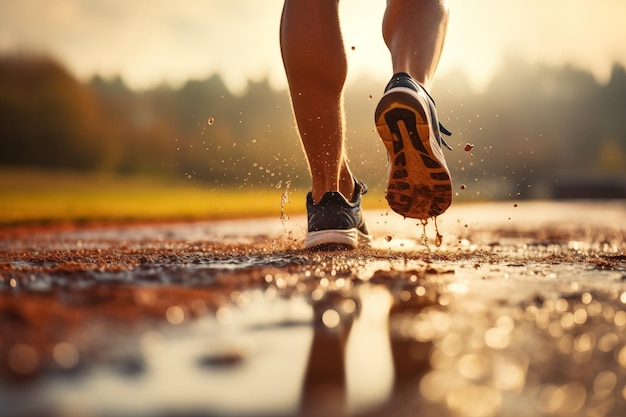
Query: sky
x: 150, y: 42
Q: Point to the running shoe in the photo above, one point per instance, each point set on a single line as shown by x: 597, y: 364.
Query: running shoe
x: 336, y: 223
x: 419, y: 184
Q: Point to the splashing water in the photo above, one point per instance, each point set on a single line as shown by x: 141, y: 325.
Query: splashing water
x: 424, y: 222
x: 438, y: 236
x: 284, y: 199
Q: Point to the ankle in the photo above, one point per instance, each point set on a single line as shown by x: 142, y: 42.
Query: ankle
x: 347, y: 187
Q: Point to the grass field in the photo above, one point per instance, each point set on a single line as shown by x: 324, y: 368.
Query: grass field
x: 35, y: 196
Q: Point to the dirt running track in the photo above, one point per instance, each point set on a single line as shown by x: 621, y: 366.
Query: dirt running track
x: 519, y: 312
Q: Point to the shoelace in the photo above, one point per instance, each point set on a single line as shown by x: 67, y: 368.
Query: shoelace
x: 442, y: 129
x: 446, y: 132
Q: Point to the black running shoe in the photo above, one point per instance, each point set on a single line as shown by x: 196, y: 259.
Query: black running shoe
x: 419, y: 180
x: 335, y: 222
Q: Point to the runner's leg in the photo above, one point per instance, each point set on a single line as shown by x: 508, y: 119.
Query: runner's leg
x: 316, y: 66
x: 415, y: 31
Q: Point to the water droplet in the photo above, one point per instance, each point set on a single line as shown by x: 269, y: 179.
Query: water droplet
x: 604, y: 383
x: 472, y: 366
x: 175, y: 315
x: 331, y: 319
x: 509, y: 376
x: 22, y: 359
x: 65, y: 355
x: 348, y: 306
x: 585, y: 342
x: 497, y: 338
x: 210, y: 121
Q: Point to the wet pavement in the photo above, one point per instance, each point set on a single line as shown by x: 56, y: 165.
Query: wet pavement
x: 519, y: 312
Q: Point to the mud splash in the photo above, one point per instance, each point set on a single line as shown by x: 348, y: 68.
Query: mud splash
x: 517, y: 313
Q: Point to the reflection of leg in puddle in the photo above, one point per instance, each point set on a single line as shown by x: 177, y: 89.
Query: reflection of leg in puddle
x: 324, y: 390
x: 410, y: 356
x: 372, y: 367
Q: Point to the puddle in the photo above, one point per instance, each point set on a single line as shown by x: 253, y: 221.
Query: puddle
x: 504, y: 319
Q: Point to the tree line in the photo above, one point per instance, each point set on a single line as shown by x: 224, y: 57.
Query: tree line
x: 532, y: 129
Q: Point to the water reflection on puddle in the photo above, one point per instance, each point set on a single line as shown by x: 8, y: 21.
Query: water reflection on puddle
x: 442, y: 348
x: 270, y: 356
x: 493, y: 323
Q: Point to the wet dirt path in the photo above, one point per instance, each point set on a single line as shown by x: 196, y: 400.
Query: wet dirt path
x: 520, y: 312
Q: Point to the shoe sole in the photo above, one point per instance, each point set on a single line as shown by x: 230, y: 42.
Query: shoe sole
x: 336, y: 239
x: 419, y: 181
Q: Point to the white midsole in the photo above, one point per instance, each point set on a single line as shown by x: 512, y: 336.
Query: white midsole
x: 350, y: 237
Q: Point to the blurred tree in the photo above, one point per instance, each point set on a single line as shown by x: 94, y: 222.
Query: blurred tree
x: 531, y: 126
x: 140, y: 128
x: 47, y: 118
